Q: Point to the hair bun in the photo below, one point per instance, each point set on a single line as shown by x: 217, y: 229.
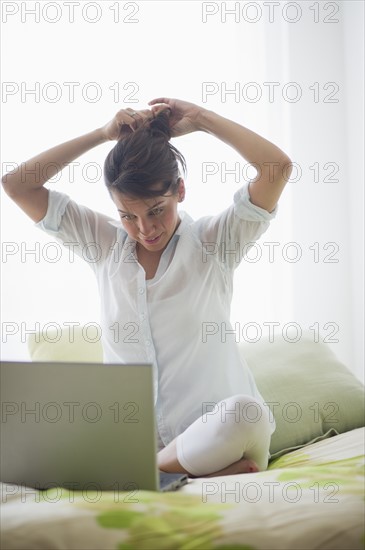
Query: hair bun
x: 159, y: 126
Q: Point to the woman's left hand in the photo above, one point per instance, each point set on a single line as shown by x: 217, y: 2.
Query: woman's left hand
x: 184, y: 116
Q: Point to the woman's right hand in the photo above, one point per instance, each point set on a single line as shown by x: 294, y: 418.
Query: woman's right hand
x: 125, y: 122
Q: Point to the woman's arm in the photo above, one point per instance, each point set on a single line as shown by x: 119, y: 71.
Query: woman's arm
x: 24, y: 185
x: 272, y: 164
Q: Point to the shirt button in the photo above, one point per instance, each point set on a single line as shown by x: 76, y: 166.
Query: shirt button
x: 141, y: 290
x: 148, y: 342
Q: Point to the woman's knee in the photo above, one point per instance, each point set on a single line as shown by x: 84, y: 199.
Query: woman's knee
x: 244, y: 409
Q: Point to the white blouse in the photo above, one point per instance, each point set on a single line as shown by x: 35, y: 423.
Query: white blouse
x: 174, y: 320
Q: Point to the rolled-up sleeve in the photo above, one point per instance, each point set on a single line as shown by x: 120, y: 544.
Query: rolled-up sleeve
x: 57, y: 203
x: 90, y: 233
x: 246, y: 210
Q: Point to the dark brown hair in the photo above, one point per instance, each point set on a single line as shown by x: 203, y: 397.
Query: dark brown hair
x: 143, y: 158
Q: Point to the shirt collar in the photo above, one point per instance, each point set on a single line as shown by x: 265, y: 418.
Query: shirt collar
x: 185, y: 221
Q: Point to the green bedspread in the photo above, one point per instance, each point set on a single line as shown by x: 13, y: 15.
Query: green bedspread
x: 312, y: 498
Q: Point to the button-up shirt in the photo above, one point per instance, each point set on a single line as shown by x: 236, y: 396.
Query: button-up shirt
x: 179, y: 321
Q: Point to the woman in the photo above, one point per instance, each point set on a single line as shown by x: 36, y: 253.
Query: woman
x: 164, y: 287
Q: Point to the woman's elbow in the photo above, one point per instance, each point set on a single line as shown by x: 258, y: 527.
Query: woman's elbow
x: 286, y: 165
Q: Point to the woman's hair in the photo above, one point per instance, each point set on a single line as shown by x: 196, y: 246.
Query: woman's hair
x: 143, y: 158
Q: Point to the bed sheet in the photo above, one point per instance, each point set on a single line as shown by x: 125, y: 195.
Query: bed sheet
x: 312, y: 498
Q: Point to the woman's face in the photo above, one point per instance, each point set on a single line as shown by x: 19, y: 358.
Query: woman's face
x: 151, y: 221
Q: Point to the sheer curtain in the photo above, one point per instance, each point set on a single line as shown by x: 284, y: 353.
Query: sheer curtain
x: 326, y: 203
x: 291, y: 71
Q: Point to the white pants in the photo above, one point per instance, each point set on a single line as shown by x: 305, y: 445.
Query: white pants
x: 236, y: 427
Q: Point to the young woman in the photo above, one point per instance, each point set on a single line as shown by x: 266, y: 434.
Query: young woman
x: 170, y: 277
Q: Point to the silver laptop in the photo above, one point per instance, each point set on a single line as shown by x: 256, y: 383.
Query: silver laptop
x: 80, y: 426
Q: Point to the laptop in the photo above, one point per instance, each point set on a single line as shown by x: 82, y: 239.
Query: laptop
x: 81, y: 426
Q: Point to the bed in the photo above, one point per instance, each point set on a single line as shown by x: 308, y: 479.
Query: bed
x: 311, y: 496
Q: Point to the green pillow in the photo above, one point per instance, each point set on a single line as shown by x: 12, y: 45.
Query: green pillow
x: 314, y: 395
x: 69, y: 346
